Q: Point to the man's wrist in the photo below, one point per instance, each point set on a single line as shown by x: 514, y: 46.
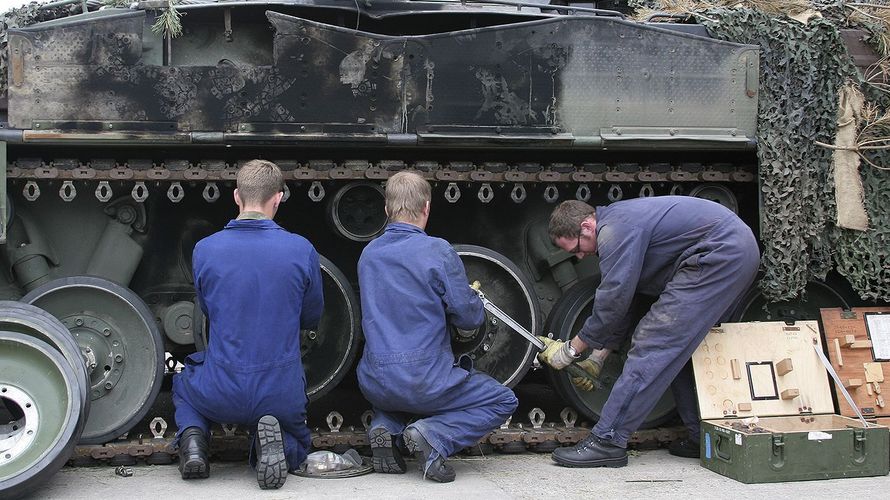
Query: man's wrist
x: 572, y: 351
x: 578, y: 346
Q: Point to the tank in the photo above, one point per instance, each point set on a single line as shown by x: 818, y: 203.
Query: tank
x: 124, y: 127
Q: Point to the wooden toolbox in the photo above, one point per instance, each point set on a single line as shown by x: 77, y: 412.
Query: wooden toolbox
x: 767, y: 412
x: 859, y: 348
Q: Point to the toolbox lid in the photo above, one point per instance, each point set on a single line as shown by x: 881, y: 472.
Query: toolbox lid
x: 858, y: 342
x: 762, y: 369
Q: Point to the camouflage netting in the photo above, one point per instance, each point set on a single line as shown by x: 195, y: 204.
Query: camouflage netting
x: 864, y: 257
x: 802, y: 68
x: 25, y: 15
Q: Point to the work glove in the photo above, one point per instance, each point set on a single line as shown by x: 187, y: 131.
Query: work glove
x: 592, y: 364
x: 555, y: 354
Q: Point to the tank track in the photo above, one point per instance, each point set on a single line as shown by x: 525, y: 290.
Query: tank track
x: 231, y: 443
x: 177, y: 172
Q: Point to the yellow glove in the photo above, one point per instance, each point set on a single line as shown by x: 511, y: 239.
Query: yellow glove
x: 555, y: 354
x: 591, y: 371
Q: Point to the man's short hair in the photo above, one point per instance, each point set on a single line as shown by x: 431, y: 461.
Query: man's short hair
x: 258, y: 181
x: 566, y: 219
x: 407, y: 193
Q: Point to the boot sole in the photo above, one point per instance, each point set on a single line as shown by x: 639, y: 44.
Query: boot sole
x: 414, y: 446
x: 195, y: 469
x: 271, y: 465
x: 606, y: 462
x: 384, y: 457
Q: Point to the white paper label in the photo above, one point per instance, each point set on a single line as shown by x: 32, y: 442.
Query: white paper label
x: 818, y: 436
x: 738, y: 439
x: 879, y: 333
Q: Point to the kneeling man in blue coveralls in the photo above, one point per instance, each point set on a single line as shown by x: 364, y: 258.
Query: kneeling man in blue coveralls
x: 413, y: 287
x: 259, y: 285
x: 698, y: 258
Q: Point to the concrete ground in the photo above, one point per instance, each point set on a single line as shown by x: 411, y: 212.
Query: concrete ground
x: 651, y: 474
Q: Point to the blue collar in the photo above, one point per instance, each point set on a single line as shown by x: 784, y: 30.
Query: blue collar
x: 403, y: 227
x: 252, y: 224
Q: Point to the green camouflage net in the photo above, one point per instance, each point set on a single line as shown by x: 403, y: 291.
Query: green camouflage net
x: 802, y: 67
x: 20, y: 17
x: 864, y: 257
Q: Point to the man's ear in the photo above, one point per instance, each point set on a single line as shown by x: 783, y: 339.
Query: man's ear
x: 278, y: 198
x: 426, y: 208
x: 237, y: 198
x: 587, y: 225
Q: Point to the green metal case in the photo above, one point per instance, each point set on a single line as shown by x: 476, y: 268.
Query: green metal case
x: 767, y: 410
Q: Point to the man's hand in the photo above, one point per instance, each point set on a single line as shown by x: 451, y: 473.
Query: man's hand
x: 556, y: 354
x: 591, y: 368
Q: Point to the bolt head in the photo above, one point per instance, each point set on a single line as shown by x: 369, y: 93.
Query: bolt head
x: 108, y: 385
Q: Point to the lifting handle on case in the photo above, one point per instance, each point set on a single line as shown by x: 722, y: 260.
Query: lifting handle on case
x: 721, y: 445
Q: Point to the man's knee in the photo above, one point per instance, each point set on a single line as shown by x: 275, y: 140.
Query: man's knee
x: 507, y: 402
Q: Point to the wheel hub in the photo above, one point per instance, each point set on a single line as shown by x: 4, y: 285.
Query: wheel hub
x: 103, y: 350
x: 16, y: 436
x: 482, y: 338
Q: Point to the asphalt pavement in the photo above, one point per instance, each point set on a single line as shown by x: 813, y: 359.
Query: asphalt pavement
x: 650, y: 474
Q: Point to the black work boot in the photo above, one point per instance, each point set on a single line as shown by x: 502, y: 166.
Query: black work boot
x: 685, y: 448
x: 193, y: 454
x: 271, y: 463
x: 385, y: 457
x: 591, y: 452
x: 438, y: 470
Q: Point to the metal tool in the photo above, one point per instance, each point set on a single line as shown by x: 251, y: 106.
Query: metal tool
x: 572, y: 369
x: 501, y: 315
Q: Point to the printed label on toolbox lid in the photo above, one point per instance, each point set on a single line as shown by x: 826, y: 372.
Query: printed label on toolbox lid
x: 818, y: 435
x: 738, y: 439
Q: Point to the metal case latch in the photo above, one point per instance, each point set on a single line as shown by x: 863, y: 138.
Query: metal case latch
x: 777, y: 459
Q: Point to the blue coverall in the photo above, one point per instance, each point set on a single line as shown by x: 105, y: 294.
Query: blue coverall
x: 412, y: 287
x: 698, y: 258
x: 259, y: 285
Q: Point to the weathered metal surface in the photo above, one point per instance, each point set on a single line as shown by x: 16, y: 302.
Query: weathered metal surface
x: 232, y: 442
x: 566, y: 81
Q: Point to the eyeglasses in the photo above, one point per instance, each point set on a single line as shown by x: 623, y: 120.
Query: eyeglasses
x: 577, y: 248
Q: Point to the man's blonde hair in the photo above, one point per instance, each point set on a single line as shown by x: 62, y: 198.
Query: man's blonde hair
x: 566, y: 219
x: 258, y: 181
x: 407, y: 193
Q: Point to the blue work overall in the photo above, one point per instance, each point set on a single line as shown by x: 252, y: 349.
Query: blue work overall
x: 259, y: 285
x: 412, y: 287
x: 698, y: 258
